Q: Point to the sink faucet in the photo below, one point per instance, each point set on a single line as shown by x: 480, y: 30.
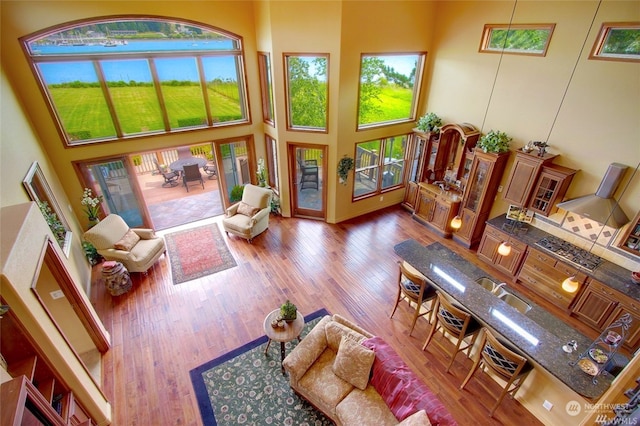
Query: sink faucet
x: 498, y: 287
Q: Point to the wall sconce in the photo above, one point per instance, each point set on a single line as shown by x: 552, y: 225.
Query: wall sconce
x: 456, y: 223
x: 504, y: 249
x: 570, y: 285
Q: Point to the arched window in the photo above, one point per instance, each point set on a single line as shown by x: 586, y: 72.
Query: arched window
x: 110, y: 79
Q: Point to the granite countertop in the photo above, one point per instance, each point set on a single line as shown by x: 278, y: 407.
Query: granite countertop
x: 608, y: 273
x: 537, y: 334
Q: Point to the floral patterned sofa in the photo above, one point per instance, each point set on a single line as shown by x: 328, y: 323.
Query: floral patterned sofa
x: 356, y: 378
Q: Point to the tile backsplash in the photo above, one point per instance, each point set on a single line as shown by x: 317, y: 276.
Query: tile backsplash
x: 588, y: 235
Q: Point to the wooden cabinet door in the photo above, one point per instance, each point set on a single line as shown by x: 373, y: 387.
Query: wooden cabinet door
x: 595, y: 305
x: 551, y: 186
x: 441, y: 216
x: 410, y: 196
x: 488, y: 247
x: 425, y: 205
x: 511, y: 263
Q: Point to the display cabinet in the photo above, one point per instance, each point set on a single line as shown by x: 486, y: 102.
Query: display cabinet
x: 435, y: 156
x: 550, y: 188
x: 524, y: 173
x: 461, y: 140
x: 630, y: 241
x: 435, y: 208
x: 484, y: 179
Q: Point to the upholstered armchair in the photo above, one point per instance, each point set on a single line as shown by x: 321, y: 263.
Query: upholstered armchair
x: 250, y: 216
x: 136, y: 248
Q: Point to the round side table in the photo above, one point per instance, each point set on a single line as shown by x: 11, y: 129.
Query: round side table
x: 116, y: 278
x: 290, y: 331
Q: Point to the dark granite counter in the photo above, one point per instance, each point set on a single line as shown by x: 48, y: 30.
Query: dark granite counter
x: 608, y: 273
x: 537, y: 334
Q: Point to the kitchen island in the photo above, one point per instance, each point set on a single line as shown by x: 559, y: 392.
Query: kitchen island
x: 537, y: 334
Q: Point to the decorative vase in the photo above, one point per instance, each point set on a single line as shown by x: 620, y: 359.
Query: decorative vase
x: 93, y: 221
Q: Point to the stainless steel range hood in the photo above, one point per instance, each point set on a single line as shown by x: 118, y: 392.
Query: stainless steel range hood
x: 601, y: 207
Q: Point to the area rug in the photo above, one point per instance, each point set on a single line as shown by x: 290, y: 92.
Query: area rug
x: 197, y: 252
x: 245, y: 386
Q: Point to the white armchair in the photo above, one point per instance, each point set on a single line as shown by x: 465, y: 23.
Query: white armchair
x: 250, y: 216
x: 136, y: 248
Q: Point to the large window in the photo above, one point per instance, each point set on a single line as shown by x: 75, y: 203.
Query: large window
x: 111, y: 79
x: 307, y: 91
x: 517, y: 39
x: 618, y: 42
x: 389, y: 88
x: 380, y: 166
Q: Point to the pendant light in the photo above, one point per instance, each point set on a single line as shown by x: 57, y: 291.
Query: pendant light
x: 504, y: 249
x: 570, y: 285
x: 456, y: 223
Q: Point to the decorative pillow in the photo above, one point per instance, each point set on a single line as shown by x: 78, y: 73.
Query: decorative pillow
x: 353, y: 362
x: 246, y: 209
x: 419, y: 418
x: 336, y: 330
x: 400, y: 388
x: 127, y: 242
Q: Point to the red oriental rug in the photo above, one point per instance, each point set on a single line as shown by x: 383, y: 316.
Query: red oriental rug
x: 197, y: 252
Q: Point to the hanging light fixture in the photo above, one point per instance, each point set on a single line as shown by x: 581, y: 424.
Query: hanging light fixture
x: 570, y: 285
x: 456, y: 223
x: 504, y: 249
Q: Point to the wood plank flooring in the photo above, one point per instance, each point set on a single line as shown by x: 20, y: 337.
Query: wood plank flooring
x: 160, y: 331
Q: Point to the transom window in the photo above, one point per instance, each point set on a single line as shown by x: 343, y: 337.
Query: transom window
x: 379, y: 166
x: 112, y: 79
x: 618, y: 42
x: 389, y: 88
x: 517, y: 39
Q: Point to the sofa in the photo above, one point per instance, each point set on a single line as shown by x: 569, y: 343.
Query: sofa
x: 356, y: 378
x: 136, y: 248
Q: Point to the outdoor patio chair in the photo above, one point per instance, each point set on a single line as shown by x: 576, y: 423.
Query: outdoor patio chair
x: 170, y: 177
x: 211, y: 170
x: 309, y: 176
x: 191, y: 173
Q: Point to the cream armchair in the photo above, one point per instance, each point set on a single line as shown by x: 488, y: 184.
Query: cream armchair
x: 250, y: 216
x: 137, y: 248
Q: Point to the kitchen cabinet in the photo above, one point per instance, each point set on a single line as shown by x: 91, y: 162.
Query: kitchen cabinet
x: 550, y: 188
x: 410, y: 196
x: 488, y: 250
x: 544, y: 275
x: 523, y: 175
x: 630, y: 241
x: 479, y: 194
x: 34, y: 380
x: 435, y: 208
x: 599, y: 305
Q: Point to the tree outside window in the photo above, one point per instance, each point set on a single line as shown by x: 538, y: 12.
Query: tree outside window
x: 617, y: 41
x: 517, y: 39
x: 307, y: 92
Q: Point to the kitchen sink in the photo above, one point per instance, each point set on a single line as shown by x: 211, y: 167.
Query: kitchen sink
x: 515, y: 301
x: 487, y: 284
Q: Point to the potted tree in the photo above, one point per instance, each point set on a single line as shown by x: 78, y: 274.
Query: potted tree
x: 495, y: 142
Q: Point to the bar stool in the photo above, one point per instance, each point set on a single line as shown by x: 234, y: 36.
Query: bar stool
x: 510, y: 366
x: 455, y: 321
x: 413, y: 287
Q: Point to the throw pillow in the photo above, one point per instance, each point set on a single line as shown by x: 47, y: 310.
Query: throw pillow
x: 246, y: 209
x: 353, y: 362
x: 419, y: 418
x: 127, y: 242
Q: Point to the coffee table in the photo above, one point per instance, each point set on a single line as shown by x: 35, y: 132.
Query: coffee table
x: 290, y: 331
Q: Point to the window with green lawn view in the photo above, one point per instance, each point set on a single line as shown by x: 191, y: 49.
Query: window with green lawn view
x: 517, y: 39
x: 379, y: 165
x: 307, y: 91
x: 110, y: 79
x: 389, y: 88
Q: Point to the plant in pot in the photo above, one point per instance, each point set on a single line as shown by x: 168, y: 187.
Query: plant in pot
x: 429, y: 123
x: 288, y: 311
x: 495, y: 142
x: 344, y: 165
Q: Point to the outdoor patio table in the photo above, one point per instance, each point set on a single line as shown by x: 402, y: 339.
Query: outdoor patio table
x: 180, y: 163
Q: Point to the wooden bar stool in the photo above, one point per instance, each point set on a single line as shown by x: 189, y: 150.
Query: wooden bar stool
x: 413, y: 287
x: 455, y: 321
x: 510, y: 366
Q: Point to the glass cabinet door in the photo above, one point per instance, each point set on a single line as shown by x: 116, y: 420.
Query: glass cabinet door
x: 476, y: 186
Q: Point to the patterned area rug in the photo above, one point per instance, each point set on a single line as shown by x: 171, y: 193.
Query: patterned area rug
x: 197, y: 252
x: 245, y: 386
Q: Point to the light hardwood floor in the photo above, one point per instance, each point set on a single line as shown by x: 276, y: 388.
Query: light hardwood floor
x: 160, y: 331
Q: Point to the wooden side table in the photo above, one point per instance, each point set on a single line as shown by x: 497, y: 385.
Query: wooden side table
x: 290, y: 331
x: 116, y: 278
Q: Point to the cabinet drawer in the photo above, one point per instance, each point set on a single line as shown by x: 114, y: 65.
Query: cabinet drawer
x: 552, y: 291
x: 517, y: 244
x: 494, y: 232
x: 541, y: 257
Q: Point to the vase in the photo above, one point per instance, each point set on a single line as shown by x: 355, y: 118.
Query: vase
x: 93, y: 221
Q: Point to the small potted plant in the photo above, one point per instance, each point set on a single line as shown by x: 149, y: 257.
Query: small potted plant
x: 288, y: 311
x: 495, y: 142
x: 429, y: 123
